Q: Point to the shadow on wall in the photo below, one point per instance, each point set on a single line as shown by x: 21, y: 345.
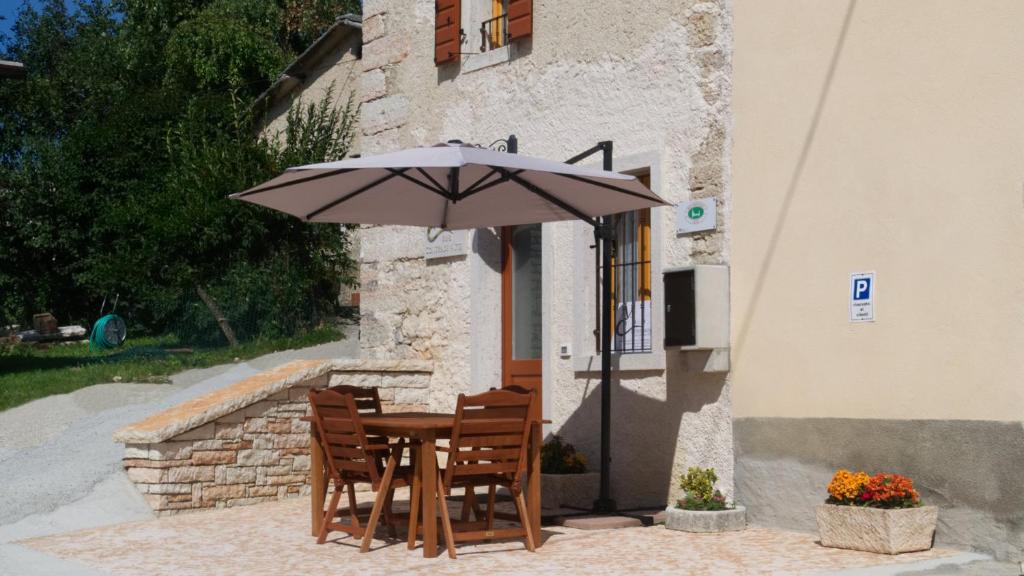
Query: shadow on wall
x: 487, y: 244
x: 794, y: 183
x: 655, y: 420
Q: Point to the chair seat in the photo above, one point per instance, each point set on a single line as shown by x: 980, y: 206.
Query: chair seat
x: 481, y: 480
x: 403, y: 477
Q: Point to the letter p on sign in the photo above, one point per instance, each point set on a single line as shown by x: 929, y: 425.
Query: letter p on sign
x: 862, y: 289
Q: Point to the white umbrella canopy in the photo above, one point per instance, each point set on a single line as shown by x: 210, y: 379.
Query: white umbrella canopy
x: 453, y: 186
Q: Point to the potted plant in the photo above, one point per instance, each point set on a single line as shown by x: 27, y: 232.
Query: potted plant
x: 565, y: 482
x: 880, y: 513
x: 703, y: 508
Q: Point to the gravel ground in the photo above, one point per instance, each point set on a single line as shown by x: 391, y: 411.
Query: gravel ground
x: 61, y: 470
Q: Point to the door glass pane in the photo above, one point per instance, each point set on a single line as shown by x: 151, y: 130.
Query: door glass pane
x: 526, y: 292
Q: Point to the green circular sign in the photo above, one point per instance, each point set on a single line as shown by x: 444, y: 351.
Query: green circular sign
x: 695, y: 212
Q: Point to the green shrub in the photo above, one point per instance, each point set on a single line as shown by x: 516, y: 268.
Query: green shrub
x: 118, y: 152
x: 699, y: 485
x: 557, y: 457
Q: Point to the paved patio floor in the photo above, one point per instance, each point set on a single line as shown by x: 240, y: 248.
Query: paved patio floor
x: 273, y: 539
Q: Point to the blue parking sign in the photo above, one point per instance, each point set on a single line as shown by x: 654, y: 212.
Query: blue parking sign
x: 862, y: 297
x: 862, y: 288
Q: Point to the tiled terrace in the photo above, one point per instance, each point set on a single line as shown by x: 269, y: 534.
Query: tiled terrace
x: 273, y: 539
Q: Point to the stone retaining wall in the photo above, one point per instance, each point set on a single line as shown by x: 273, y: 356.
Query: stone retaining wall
x: 259, y: 450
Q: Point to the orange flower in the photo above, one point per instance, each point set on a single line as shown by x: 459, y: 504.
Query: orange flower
x: 846, y: 486
x: 890, y: 491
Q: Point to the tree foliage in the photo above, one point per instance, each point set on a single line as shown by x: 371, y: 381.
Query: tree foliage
x: 118, y: 151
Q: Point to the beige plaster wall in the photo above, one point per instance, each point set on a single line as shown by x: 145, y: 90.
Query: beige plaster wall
x: 878, y: 136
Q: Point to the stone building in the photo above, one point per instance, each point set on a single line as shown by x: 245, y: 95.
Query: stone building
x: 662, y: 97
x: 827, y: 139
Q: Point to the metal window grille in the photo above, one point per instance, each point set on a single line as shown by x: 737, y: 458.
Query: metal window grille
x: 632, y: 312
x: 494, y: 31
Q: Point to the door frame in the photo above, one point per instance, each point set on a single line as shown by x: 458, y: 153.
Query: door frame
x: 508, y: 363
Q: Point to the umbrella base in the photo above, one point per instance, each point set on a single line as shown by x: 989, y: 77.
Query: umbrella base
x: 604, y: 506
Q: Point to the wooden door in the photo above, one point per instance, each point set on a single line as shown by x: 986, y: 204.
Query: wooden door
x: 521, y: 307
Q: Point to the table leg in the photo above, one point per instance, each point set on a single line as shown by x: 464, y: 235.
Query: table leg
x: 428, y: 481
x: 318, y: 488
x: 415, y: 494
x: 533, y: 483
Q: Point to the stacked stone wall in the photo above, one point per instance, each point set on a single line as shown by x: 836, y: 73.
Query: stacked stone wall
x: 257, y: 453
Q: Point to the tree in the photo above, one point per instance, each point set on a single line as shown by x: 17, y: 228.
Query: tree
x: 117, y: 154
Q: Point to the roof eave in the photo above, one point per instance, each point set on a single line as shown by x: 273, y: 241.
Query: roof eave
x: 9, y: 69
x: 295, y: 73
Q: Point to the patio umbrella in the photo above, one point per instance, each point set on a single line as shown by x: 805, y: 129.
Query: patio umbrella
x: 459, y: 186
x: 453, y: 186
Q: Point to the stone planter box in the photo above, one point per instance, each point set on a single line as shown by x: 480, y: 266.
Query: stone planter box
x: 569, y: 490
x: 877, y: 530
x: 706, y: 521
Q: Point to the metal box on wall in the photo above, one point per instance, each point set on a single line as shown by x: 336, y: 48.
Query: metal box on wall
x: 697, y: 307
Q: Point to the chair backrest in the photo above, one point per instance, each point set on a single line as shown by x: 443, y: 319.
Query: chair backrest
x: 342, y: 437
x: 490, y: 435
x: 367, y: 399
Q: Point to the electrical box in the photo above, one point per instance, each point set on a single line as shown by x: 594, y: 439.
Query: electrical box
x: 697, y: 307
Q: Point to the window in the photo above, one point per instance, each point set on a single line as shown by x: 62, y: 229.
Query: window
x: 494, y: 31
x: 501, y: 23
x: 632, y: 313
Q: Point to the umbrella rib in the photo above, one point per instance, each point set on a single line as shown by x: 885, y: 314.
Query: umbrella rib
x: 293, y: 182
x: 491, y: 184
x: 547, y: 196
x: 401, y: 173
x: 477, y: 187
x: 477, y: 183
x: 351, y: 195
x: 603, y: 185
x: 431, y: 178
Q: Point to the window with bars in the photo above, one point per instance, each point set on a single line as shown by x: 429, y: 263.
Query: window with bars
x: 501, y: 22
x: 494, y: 31
x: 632, y: 311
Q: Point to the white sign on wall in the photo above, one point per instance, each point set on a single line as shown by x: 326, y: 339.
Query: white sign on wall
x: 862, y: 297
x: 445, y: 243
x: 696, y: 216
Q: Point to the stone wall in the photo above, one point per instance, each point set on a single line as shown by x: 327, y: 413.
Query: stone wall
x: 257, y: 451
x: 654, y: 77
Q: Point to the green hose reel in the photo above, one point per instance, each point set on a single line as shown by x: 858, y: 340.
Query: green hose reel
x: 108, y: 332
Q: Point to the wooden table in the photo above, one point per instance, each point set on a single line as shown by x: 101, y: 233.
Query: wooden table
x: 427, y: 428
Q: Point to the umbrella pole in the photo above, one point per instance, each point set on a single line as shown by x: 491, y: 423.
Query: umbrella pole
x: 604, y: 504
x: 604, y: 238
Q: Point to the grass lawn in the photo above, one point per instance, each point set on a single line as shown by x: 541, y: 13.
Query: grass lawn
x: 30, y: 372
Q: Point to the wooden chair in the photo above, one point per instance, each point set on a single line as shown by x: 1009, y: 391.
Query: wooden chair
x: 488, y: 448
x: 351, y: 457
x: 367, y: 398
x: 367, y: 404
x: 470, y: 504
